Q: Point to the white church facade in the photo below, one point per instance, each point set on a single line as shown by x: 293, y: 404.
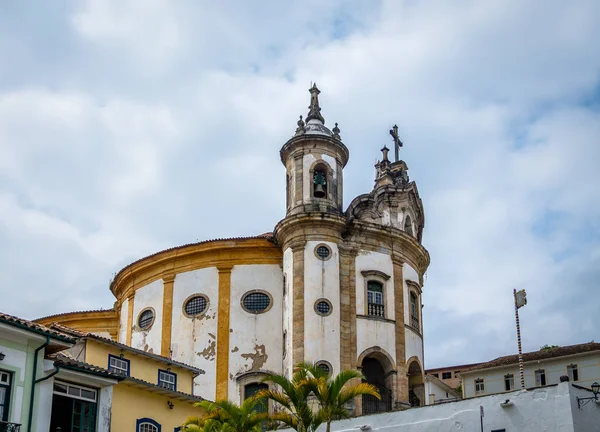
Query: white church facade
x: 333, y: 285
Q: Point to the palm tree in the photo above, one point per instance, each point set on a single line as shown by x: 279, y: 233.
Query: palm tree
x: 310, y: 381
x: 333, y: 393
x: 293, y: 396
x: 225, y: 416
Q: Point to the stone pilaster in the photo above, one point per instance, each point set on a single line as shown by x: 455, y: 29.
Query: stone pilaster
x: 130, y: 298
x: 298, y: 180
x: 298, y: 302
x: 401, y: 390
x: 348, y: 308
x: 167, y: 315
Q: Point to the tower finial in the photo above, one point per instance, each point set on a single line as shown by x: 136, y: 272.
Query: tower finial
x: 385, y: 152
x: 314, y: 110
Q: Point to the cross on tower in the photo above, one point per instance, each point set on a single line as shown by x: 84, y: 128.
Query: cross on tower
x: 397, y: 142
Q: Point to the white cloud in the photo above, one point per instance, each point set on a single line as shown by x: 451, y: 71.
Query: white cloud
x: 174, y: 131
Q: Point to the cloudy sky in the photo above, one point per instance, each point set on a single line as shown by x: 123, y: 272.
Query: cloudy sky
x: 129, y: 126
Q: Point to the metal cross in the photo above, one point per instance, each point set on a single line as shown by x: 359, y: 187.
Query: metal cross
x: 397, y: 142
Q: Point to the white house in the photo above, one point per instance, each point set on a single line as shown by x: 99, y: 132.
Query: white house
x: 580, y: 363
x: 439, y: 392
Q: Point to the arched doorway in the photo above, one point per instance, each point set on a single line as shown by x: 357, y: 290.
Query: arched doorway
x: 375, y: 374
x: 416, y: 387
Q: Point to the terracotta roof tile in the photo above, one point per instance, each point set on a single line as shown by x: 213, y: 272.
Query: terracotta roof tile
x: 542, y: 354
x: 34, y: 327
x: 71, y: 363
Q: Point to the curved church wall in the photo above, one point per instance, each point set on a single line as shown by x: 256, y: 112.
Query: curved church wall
x: 149, y: 296
x: 322, y: 281
x: 194, y: 339
x: 255, y: 338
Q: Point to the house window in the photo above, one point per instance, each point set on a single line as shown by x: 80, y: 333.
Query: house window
x: 375, y: 299
x: 540, y: 377
x: 74, y: 408
x: 118, y: 365
x: 4, y: 394
x: 251, y: 389
x: 437, y: 375
x: 167, y: 379
x: 509, y: 382
x: 414, y: 313
x: 147, y: 425
x: 256, y: 302
x: 446, y: 375
x: 573, y: 372
x: 479, y: 386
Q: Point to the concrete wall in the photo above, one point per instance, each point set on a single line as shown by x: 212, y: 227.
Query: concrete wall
x: 150, y: 295
x: 194, y: 340
x: 588, y: 366
x: 255, y: 340
x: 550, y: 409
x: 321, y: 280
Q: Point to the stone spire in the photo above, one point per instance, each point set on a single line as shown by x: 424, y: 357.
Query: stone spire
x: 314, y: 112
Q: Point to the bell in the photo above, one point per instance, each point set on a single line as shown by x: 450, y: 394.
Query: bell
x: 319, y: 191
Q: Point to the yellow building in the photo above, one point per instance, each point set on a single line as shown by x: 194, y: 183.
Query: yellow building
x: 154, y: 393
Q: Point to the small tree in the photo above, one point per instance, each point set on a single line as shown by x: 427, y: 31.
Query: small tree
x: 225, y: 416
x: 333, y: 393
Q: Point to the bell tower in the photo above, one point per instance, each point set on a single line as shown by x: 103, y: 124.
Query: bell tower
x: 314, y: 159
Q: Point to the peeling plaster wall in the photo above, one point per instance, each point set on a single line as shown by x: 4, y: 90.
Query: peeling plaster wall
x: 373, y: 332
x: 150, y: 295
x: 194, y: 340
x: 104, y: 409
x: 321, y: 280
x: 307, y: 161
x: 122, y: 337
x: 255, y: 340
x: 288, y: 321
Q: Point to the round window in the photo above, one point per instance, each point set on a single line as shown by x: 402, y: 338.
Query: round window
x: 324, y: 366
x: 323, y: 307
x: 146, y: 319
x: 256, y: 302
x: 323, y: 252
x: 195, y: 305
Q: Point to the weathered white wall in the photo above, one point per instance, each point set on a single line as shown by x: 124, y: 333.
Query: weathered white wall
x: 588, y: 366
x: 550, y: 409
x: 194, y: 340
x: 104, y: 409
x: 150, y: 295
x: 123, y: 321
x: 288, y: 319
x: 374, y: 332
x: 307, y: 162
x: 255, y: 340
x: 414, y: 345
x: 43, y: 402
x: 321, y: 280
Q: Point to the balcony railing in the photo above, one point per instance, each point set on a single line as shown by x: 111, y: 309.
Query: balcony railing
x: 415, y: 323
x: 375, y: 309
x: 9, y: 427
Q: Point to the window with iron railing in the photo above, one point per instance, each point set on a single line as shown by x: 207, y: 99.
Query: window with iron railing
x: 414, y: 312
x: 375, y: 304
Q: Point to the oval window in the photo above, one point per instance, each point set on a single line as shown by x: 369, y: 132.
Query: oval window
x: 195, y: 305
x: 256, y: 302
x: 146, y: 319
x: 324, y: 366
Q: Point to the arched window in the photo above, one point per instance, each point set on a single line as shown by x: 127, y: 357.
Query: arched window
x: 147, y: 425
x: 253, y: 388
x: 375, y: 305
x: 320, y: 181
x: 408, y: 229
x: 414, y: 311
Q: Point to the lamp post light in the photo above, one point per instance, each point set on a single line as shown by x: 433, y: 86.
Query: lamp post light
x: 2, y: 355
x: 581, y: 402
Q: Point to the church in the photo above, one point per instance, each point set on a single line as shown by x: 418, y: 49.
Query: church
x: 337, y: 286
